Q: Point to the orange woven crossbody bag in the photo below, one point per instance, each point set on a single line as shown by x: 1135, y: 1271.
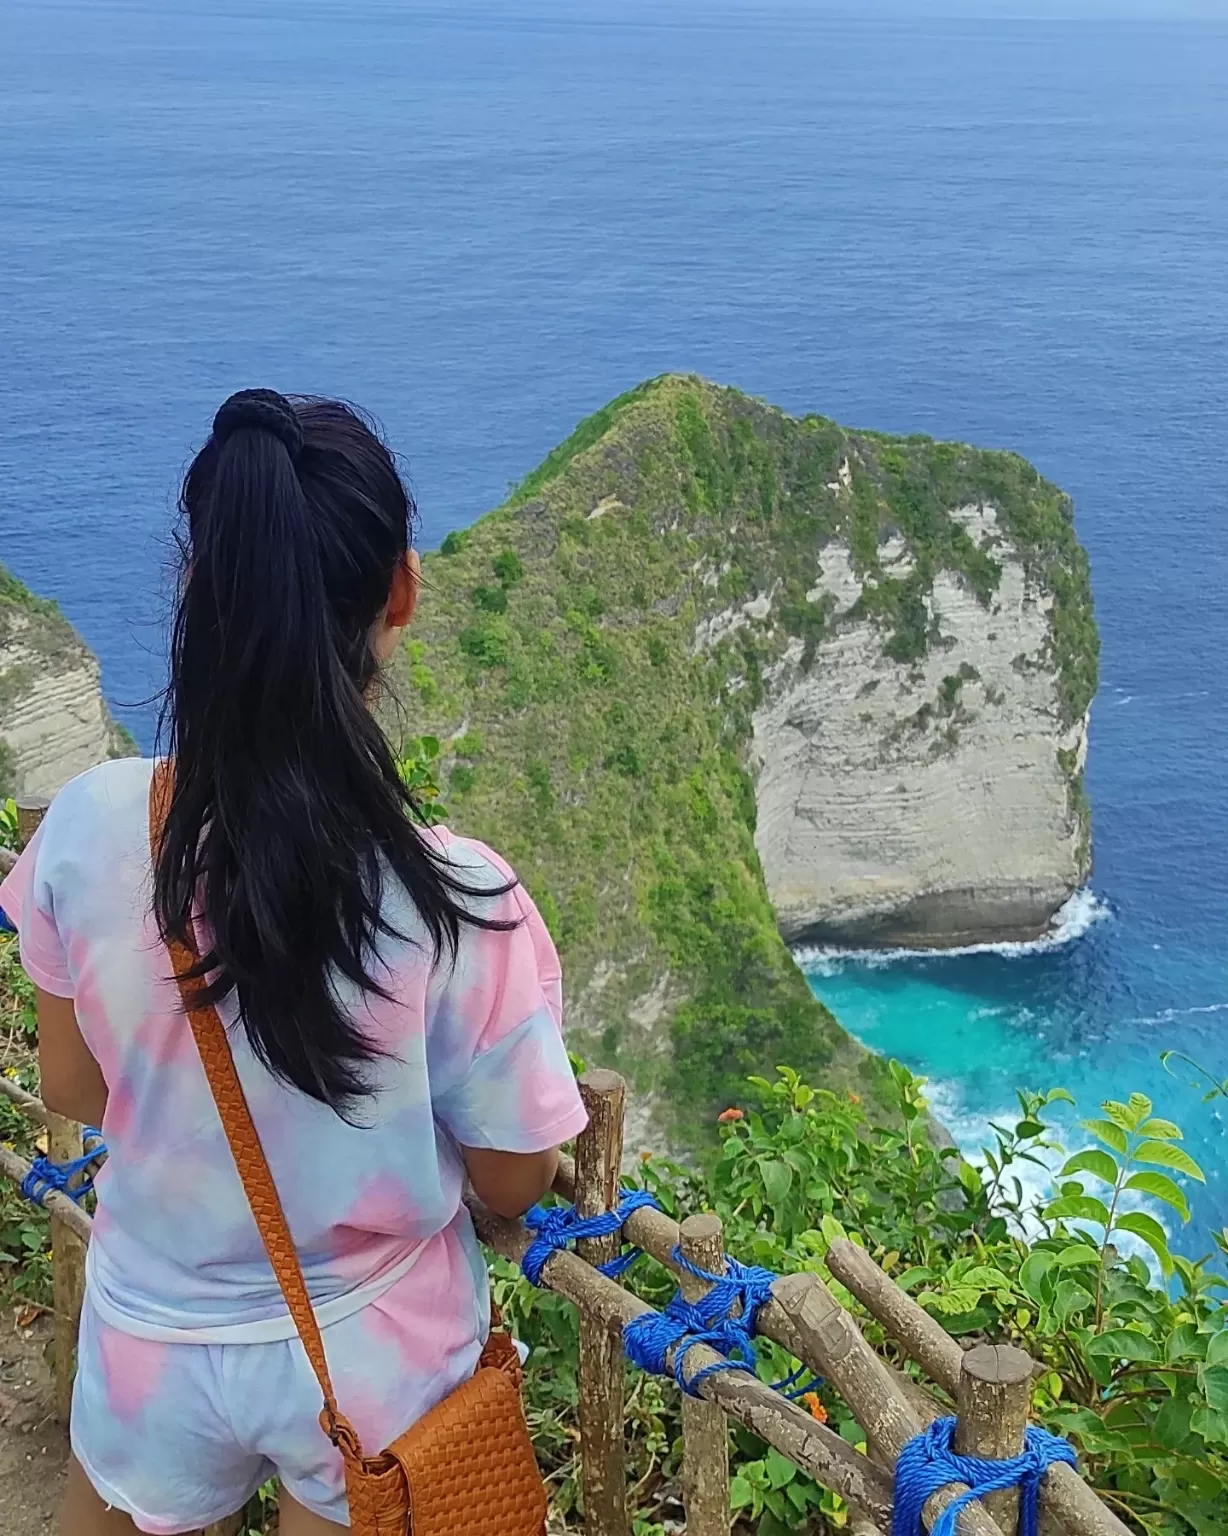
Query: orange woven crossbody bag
x: 467, y: 1467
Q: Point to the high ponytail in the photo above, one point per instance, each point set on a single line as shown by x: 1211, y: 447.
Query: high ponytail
x: 288, y: 813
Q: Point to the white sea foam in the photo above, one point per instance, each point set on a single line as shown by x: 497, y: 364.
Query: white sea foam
x: 1071, y: 922
x: 1167, y: 1015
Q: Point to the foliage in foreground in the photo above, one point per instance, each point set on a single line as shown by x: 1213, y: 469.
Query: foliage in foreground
x: 1131, y: 1335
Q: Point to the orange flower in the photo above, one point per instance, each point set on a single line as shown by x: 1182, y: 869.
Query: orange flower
x: 817, y: 1410
x: 728, y: 1116
x: 854, y: 1098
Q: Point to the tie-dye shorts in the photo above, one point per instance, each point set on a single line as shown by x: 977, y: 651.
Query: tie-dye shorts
x: 181, y: 1435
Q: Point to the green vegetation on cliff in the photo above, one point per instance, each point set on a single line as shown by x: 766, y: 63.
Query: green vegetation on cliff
x: 594, y: 736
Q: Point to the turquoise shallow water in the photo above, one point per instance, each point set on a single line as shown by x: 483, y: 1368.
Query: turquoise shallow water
x: 1061, y: 1014
x: 483, y: 221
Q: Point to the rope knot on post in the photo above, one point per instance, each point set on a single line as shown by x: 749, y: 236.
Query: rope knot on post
x: 562, y: 1225
x: 46, y: 1176
x: 724, y: 1319
x: 930, y: 1462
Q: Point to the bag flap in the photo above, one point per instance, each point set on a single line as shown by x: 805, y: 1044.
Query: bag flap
x: 470, y: 1465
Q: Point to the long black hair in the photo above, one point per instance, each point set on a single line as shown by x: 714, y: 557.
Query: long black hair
x: 288, y: 813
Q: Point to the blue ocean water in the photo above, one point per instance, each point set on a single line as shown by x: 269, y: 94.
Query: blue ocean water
x: 484, y: 220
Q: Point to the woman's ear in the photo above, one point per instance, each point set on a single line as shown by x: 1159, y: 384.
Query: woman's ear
x: 399, y: 609
x: 406, y: 584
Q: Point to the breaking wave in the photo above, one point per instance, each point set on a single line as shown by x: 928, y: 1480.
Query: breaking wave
x: 1070, y: 922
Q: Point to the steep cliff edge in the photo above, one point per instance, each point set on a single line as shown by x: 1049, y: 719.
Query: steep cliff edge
x: 713, y: 674
x: 53, y: 720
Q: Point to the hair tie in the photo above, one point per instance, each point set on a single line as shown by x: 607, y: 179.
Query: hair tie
x: 260, y: 410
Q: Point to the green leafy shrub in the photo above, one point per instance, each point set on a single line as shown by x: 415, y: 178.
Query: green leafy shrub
x: 1131, y: 1336
x: 8, y: 823
x: 487, y: 643
x: 418, y: 767
x: 508, y: 567
x: 490, y: 599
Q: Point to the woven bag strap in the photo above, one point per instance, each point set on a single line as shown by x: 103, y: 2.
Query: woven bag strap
x: 253, y: 1167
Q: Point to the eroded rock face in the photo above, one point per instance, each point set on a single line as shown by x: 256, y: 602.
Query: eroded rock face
x: 928, y: 803
x: 54, y: 722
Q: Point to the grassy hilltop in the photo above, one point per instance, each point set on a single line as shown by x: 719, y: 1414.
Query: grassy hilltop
x: 592, y: 739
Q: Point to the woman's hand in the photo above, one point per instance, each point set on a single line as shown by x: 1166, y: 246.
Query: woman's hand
x: 508, y: 1183
x: 71, y: 1082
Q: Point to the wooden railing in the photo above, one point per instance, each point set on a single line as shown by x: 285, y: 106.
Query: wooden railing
x: 988, y: 1387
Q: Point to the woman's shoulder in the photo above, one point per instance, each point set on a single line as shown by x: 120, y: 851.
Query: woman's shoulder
x: 472, y: 857
x: 110, y: 792
x: 101, y: 811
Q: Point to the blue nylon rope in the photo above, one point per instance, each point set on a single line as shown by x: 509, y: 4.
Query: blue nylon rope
x: 45, y: 1176
x: 560, y: 1226
x: 929, y: 1462
x: 724, y: 1318
x: 6, y: 922
x: 712, y: 1320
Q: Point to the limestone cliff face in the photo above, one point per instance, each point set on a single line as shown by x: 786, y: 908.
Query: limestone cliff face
x: 54, y: 722
x: 934, y: 802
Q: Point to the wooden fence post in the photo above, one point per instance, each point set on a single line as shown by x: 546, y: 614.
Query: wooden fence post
x: 67, y: 1270
x: 67, y: 1248
x: 995, y: 1396
x: 30, y: 811
x: 705, y: 1432
x: 599, y: 1150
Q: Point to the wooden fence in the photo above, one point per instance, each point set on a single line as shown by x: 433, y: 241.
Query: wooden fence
x: 988, y: 1387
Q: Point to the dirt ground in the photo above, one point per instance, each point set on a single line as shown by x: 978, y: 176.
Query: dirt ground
x: 33, y: 1447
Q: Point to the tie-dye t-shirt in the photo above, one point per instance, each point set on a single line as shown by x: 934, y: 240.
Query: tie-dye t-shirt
x: 475, y: 1057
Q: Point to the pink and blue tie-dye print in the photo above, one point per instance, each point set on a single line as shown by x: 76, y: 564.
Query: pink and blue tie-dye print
x: 476, y: 1058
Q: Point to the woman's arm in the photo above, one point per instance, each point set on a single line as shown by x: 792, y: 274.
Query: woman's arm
x: 508, y: 1183
x: 72, y: 1084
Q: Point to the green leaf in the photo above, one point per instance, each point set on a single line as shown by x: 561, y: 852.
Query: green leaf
x: 774, y: 1520
x: 1077, y: 1253
x: 1217, y: 1348
x: 1164, y: 1129
x: 1123, y: 1115
x: 1151, y: 1232
x: 779, y: 1469
x: 910, y: 1277
x: 1112, y: 1135
x: 740, y: 1492
x: 1161, y: 1187
x: 777, y: 1180
x: 1035, y: 1267
x: 1185, y: 1342
x: 801, y: 1495
x: 1167, y: 1156
x: 1213, y: 1379
x: 1122, y: 1344
x: 1026, y: 1130
x: 1071, y: 1297
x: 1063, y: 1095
x: 1172, y: 1423
x: 1081, y: 1208
x: 1211, y: 1425
x: 1140, y: 1108
x: 1092, y: 1161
